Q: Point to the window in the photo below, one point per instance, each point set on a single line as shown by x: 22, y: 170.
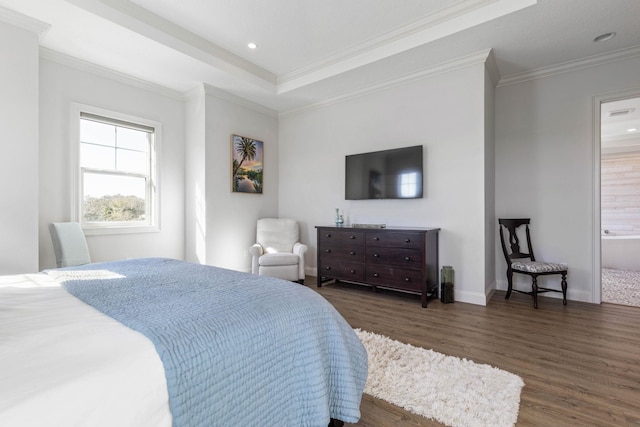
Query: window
x: 408, y: 184
x: 117, y: 189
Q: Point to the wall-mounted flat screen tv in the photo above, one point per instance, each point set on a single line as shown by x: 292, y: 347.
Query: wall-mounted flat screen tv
x: 388, y: 174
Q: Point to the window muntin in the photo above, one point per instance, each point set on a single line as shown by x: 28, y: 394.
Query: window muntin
x: 116, y: 180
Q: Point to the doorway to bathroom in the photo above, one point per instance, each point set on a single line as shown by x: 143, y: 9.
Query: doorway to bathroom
x: 620, y: 201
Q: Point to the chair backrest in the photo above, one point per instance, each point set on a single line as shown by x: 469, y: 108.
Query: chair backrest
x: 277, y: 235
x: 69, y: 244
x: 514, y: 251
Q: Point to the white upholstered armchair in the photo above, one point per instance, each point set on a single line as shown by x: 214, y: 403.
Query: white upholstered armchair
x: 277, y: 251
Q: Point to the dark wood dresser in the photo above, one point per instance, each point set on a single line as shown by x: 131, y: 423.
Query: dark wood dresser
x: 404, y: 259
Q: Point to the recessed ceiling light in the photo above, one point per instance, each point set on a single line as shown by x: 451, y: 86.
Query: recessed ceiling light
x: 252, y: 45
x: 604, y: 37
x: 632, y: 130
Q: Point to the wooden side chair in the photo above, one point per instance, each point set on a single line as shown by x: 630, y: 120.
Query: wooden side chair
x: 525, y: 263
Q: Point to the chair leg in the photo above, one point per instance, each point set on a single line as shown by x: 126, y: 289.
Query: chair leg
x: 510, y: 281
x: 564, y: 289
x: 534, y: 291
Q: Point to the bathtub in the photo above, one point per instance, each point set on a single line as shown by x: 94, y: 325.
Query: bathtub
x: 620, y: 252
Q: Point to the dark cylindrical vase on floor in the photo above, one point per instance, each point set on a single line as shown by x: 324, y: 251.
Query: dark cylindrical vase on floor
x: 446, y: 284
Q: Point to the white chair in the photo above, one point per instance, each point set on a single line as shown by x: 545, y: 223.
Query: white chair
x: 277, y: 251
x: 69, y: 244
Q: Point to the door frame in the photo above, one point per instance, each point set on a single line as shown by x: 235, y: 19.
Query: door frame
x: 597, y: 102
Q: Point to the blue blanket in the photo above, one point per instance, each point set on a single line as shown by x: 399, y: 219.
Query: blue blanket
x: 238, y: 349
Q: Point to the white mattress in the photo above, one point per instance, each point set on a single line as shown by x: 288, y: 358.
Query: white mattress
x: 63, y: 363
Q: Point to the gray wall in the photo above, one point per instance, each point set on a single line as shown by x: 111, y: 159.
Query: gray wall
x: 444, y: 113
x: 545, y: 163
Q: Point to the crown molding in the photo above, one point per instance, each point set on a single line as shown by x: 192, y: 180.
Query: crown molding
x: 441, y: 23
x: 82, y: 65
x: 238, y: 100
x: 25, y: 22
x: 567, y: 67
x: 481, y: 57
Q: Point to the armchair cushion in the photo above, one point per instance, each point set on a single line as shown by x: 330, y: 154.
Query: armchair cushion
x: 277, y: 235
x: 281, y: 258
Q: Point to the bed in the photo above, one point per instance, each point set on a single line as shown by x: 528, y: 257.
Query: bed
x: 202, y: 346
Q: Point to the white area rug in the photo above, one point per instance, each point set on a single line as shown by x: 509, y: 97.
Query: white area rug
x: 456, y: 392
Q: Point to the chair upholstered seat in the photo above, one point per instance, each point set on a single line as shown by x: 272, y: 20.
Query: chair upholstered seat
x: 538, y: 267
x: 279, y: 258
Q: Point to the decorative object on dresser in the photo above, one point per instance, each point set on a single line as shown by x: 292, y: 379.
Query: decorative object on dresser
x: 397, y: 258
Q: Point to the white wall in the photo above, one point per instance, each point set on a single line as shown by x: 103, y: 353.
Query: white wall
x: 18, y: 150
x: 231, y: 217
x: 195, y: 178
x: 60, y: 85
x: 489, y: 185
x: 544, y: 165
x: 445, y: 114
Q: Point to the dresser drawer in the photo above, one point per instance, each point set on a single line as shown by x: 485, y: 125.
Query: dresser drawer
x: 395, y: 239
x: 403, y: 258
x: 409, y: 280
x: 341, y: 237
x: 344, y: 270
x: 347, y: 253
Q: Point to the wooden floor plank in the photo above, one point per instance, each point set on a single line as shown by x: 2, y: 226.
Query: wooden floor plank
x: 580, y: 362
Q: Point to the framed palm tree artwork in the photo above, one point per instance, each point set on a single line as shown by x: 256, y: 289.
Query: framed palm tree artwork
x: 247, y: 156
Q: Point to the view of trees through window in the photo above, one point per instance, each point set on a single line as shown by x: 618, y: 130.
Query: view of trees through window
x: 114, y: 208
x: 115, y: 161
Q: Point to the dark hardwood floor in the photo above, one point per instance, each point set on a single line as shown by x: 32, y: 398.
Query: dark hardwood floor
x: 580, y: 362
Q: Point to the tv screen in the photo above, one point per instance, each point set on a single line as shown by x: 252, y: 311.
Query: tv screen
x: 388, y: 174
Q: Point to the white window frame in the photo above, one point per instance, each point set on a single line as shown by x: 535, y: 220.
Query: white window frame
x: 92, y: 228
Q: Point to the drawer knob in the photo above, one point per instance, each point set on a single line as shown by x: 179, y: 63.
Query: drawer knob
x: 376, y: 275
x: 328, y: 251
x: 406, y: 279
x: 327, y: 268
x: 327, y: 235
x: 352, y: 237
x: 376, y: 238
x: 352, y: 253
x: 353, y: 272
x: 407, y: 240
x: 376, y: 255
x: 407, y: 258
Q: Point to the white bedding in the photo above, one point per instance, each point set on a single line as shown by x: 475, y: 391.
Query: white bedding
x: 54, y: 349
